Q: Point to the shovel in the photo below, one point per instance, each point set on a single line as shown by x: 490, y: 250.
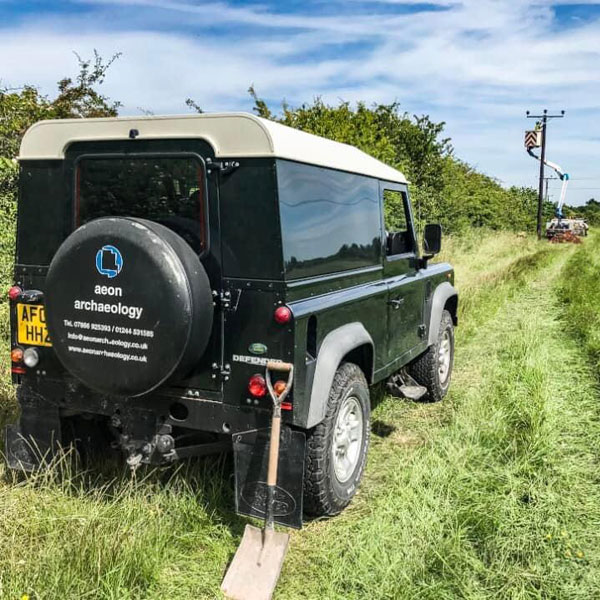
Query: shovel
x: 255, y: 568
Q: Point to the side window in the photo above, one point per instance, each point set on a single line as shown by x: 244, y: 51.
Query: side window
x: 399, y: 239
x: 330, y: 220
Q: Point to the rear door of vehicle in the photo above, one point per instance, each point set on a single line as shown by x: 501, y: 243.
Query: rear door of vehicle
x: 165, y: 181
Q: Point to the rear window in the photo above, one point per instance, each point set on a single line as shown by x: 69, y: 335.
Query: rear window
x: 167, y: 190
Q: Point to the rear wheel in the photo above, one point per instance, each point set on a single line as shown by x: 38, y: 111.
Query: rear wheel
x: 337, y: 448
x: 433, y: 369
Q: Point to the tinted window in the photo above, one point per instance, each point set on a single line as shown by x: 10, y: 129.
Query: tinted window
x: 250, y: 235
x: 165, y: 190
x: 330, y: 220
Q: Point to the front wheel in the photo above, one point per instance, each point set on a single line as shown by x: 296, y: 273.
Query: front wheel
x: 433, y: 369
x: 336, y: 450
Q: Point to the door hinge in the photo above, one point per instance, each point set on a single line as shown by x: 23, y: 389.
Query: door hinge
x: 422, y: 331
x: 223, y: 371
x: 227, y: 300
x: 223, y: 167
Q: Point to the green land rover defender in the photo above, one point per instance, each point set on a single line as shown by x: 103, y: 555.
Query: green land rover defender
x: 163, y: 262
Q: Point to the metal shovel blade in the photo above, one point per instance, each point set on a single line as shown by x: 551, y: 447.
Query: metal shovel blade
x: 255, y: 568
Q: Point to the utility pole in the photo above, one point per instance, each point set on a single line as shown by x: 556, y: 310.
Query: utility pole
x: 542, y: 120
x: 547, y: 179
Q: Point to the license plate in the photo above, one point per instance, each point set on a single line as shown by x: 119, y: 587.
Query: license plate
x: 31, y: 325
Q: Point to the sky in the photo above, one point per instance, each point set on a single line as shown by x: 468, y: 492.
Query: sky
x: 478, y: 65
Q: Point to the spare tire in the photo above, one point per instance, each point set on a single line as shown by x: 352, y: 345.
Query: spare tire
x: 129, y: 305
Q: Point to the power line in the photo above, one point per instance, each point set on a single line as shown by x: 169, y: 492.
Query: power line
x: 579, y: 188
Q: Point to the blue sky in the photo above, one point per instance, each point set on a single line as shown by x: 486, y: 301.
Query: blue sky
x: 476, y: 64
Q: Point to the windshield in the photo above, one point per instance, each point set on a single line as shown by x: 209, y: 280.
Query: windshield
x: 167, y: 190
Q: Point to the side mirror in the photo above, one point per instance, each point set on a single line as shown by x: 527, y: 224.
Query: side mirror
x: 432, y: 238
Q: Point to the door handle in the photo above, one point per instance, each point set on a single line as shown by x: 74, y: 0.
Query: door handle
x: 396, y: 303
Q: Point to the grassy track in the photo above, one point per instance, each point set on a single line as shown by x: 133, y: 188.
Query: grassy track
x: 491, y: 494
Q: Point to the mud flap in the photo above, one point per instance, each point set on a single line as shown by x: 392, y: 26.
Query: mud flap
x: 34, y: 440
x: 19, y: 453
x: 251, y: 450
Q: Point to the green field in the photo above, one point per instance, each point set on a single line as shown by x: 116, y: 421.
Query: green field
x: 493, y: 493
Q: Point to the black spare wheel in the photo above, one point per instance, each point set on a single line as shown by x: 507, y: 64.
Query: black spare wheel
x: 129, y: 305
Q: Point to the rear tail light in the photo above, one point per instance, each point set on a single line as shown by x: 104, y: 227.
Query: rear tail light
x: 14, y: 292
x: 257, y: 386
x: 282, y: 315
x: 279, y: 386
x: 16, y: 355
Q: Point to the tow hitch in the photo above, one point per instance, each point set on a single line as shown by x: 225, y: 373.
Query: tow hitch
x: 161, y: 448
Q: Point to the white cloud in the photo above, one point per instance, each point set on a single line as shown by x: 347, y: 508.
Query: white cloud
x: 477, y: 64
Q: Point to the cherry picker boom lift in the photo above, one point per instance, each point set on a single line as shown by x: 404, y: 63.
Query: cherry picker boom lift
x: 559, y: 228
x: 562, y: 175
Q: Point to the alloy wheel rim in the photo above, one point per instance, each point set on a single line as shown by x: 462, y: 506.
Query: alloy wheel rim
x: 347, y: 438
x: 444, y: 356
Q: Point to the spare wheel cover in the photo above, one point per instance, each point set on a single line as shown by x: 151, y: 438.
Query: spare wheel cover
x: 129, y: 305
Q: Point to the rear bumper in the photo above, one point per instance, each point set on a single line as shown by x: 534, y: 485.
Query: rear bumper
x: 48, y: 407
x: 199, y: 412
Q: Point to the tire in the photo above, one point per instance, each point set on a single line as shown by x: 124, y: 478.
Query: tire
x: 426, y: 369
x: 329, y: 483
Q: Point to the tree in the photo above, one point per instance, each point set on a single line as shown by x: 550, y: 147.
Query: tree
x: 590, y: 211
x: 19, y: 109
x: 78, y: 98
x: 8, y: 214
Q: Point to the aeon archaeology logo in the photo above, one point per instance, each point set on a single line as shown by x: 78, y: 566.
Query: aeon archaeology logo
x: 109, y: 261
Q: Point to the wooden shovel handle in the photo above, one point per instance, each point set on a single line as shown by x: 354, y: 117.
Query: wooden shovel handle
x: 274, y: 449
x: 275, y: 433
x: 274, y: 365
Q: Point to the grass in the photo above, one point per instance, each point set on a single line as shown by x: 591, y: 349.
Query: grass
x: 580, y: 293
x: 492, y: 493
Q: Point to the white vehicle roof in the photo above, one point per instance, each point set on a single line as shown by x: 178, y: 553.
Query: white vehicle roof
x: 232, y: 135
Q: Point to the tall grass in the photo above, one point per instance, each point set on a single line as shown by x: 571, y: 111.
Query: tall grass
x: 492, y: 493
x: 580, y: 292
